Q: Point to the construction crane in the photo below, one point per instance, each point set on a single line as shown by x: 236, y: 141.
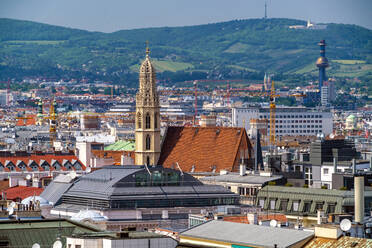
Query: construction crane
x: 228, y: 92
x: 272, y: 114
x: 52, y: 121
x: 196, y: 100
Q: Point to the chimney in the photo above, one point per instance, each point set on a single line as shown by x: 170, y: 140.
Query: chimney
x: 354, y: 166
x: 320, y: 215
x: 242, y: 168
x: 208, y: 120
x: 122, y: 159
x: 359, y: 198
x: 252, y: 218
x: 164, y: 214
x: 335, y: 164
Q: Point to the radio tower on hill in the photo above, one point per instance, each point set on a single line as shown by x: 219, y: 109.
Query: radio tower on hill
x: 265, y: 10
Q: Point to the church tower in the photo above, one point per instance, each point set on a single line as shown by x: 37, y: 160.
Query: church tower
x: 147, y: 116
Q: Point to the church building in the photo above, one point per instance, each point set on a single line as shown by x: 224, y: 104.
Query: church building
x: 193, y: 149
x: 147, y: 116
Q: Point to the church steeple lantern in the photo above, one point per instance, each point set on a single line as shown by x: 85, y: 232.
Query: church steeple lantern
x: 147, y: 115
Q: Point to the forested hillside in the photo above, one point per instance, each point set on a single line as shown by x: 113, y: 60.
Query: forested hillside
x: 235, y: 49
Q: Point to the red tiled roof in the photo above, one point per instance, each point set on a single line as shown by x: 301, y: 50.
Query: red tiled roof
x: 236, y: 219
x: 278, y: 217
x: 204, y: 147
x: 115, y: 155
x: 21, y: 192
x: 37, y: 158
x: 29, y: 121
x: 244, y: 219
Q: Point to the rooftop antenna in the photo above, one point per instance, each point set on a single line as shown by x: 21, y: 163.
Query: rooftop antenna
x: 179, y: 168
x: 147, y: 168
x: 147, y: 49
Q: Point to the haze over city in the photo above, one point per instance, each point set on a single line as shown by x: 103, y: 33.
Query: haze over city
x: 114, y: 15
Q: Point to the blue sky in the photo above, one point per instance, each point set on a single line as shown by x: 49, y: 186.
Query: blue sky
x: 113, y: 15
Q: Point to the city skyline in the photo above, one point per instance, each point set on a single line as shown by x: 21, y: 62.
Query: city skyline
x: 132, y: 15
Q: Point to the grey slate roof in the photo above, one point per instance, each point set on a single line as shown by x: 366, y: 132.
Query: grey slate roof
x: 100, y: 184
x: 245, y: 234
x: 54, y: 191
x: 236, y: 178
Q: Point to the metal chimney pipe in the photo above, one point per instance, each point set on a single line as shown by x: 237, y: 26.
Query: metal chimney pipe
x: 242, y: 168
x: 354, y: 166
x: 335, y: 160
x: 359, y: 198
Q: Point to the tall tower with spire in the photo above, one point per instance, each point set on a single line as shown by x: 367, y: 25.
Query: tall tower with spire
x: 147, y: 116
x: 40, y: 115
x: 322, y: 63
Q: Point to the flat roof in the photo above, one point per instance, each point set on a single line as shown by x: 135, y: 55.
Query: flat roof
x: 236, y: 178
x: 246, y: 234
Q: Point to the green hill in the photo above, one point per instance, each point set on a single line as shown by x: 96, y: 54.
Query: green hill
x: 234, y: 49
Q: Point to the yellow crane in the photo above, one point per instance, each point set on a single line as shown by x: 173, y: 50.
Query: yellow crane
x: 272, y: 114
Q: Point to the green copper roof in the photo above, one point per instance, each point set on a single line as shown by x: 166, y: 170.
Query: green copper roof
x: 43, y: 232
x: 121, y: 145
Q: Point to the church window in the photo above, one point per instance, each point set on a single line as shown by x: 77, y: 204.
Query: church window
x: 148, y: 142
x: 156, y: 120
x: 148, y: 121
x: 139, y: 120
x: 148, y: 160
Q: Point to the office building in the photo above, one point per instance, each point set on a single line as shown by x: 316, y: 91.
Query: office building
x: 295, y: 121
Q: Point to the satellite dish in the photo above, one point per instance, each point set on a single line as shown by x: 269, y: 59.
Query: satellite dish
x: 88, y: 169
x: 57, y: 244
x: 13, y: 204
x: 273, y: 223
x: 28, y: 177
x: 36, y: 245
x: 10, y: 210
x: 345, y: 225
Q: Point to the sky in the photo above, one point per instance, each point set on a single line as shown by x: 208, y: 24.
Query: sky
x: 114, y: 15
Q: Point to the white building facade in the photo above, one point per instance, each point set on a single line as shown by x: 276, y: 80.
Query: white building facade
x: 295, y: 121
x: 328, y: 93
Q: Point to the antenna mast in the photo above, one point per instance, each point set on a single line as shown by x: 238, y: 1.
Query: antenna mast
x: 265, y: 10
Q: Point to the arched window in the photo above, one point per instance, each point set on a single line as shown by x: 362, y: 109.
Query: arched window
x: 148, y: 160
x: 156, y: 120
x: 148, y: 121
x: 148, y: 142
x: 139, y: 120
